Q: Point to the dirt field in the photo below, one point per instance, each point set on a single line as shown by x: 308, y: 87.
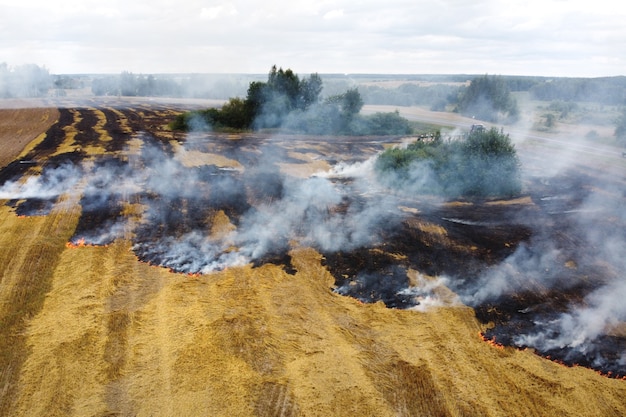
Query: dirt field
x: 18, y: 127
x: 95, y: 327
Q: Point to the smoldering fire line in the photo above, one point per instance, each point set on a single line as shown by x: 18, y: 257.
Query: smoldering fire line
x: 52, y: 182
x: 203, y: 219
x: 562, y: 293
x: 179, y: 203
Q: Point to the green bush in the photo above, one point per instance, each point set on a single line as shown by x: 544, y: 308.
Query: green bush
x: 388, y: 124
x: 483, y: 165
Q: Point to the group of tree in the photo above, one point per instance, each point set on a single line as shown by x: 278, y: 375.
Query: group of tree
x: 603, y: 90
x: 483, y: 165
x: 69, y: 82
x: 133, y: 85
x: 434, y: 96
x: 28, y: 80
x: 293, y: 104
x: 269, y: 103
x: 488, y: 98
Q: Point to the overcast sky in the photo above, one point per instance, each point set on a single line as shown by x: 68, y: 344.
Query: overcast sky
x: 513, y: 37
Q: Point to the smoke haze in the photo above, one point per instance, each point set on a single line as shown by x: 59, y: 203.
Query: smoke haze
x: 565, y: 286
x: 174, y: 230
x: 576, y: 217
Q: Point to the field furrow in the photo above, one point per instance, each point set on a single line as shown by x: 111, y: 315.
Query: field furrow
x: 178, y: 276
x: 26, y: 280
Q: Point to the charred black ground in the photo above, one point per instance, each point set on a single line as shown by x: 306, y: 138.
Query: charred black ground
x: 467, y: 242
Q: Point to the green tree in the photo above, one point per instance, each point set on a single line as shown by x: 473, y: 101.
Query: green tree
x: 128, y: 84
x: 488, y: 98
x: 387, y: 124
x: 292, y: 103
x: 269, y: 103
x: 490, y: 165
x: 254, y: 100
x: 348, y: 105
x: 234, y: 114
x: 310, y: 90
x: 351, y: 102
x: 284, y: 84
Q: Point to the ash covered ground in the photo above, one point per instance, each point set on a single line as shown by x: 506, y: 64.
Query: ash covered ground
x: 546, y: 269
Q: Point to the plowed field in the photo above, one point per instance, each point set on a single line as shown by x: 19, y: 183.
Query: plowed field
x: 147, y: 273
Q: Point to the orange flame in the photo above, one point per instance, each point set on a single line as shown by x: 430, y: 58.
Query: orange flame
x: 81, y: 243
x: 495, y: 344
x: 491, y: 341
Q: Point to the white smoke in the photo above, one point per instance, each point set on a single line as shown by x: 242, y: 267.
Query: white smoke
x: 530, y: 265
x: 363, y: 169
x: 194, y: 252
x: 432, y: 292
x: 309, y: 213
x: 304, y: 203
x: 602, y: 309
x: 53, y: 183
x: 320, y: 211
x: 585, y: 248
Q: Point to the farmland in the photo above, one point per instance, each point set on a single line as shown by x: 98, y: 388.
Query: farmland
x: 170, y: 274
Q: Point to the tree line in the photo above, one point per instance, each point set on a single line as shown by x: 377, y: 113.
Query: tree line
x: 28, y: 80
x: 487, y: 97
x: 604, y: 90
x: 436, y: 96
x: 134, y: 85
x: 294, y: 104
x: 442, y: 95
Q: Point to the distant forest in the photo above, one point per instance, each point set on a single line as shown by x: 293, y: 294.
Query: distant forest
x: 607, y: 90
x: 439, y: 92
x: 435, y: 91
x: 24, y: 81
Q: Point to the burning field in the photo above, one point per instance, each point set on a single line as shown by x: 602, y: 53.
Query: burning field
x: 146, y: 272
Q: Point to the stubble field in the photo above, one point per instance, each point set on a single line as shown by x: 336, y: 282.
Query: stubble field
x: 153, y: 273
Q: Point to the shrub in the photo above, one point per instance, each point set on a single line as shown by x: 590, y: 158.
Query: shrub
x: 484, y: 165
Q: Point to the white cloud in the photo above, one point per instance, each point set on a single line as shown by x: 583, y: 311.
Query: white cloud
x: 333, y: 14
x: 222, y: 10
x: 533, y: 37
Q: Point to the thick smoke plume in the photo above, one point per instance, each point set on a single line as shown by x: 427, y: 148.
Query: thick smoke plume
x: 269, y: 211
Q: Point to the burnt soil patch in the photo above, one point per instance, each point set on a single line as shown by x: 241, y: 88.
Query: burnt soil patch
x: 465, y: 242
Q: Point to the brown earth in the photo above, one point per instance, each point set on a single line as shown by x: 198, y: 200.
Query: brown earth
x: 93, y: 331
x: 20, y: 126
